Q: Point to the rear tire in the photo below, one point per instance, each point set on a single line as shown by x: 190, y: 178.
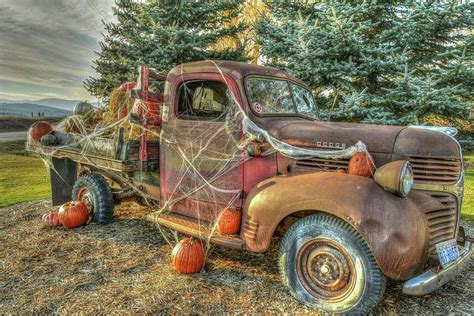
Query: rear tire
x: 92, y: 189
x: 327, y: 265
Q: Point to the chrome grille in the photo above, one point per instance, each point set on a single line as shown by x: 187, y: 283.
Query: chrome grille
x: 322, y: 164
x: 430, y: 170
x: 441, y: 219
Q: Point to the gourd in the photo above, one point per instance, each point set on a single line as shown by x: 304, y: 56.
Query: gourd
x: 48, y: 140
x: 51, y: 219
x: 229, y: 221
x: 39, y: 129
x: 73, y: 214
x: 64, y: 139
x: 362, y: 164
x: 341, y: 171
x: 188, y: 256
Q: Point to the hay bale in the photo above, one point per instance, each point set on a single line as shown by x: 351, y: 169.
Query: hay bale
x: 134, y: 131
x: 119, y: 100
x: 99, y: 121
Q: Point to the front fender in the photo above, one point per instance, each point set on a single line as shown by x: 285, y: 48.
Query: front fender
x: 393, y: 227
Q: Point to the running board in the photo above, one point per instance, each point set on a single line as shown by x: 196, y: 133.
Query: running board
x: 199, y: 229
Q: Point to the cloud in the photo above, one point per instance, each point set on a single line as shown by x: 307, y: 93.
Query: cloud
x: 15, y: 96
x: 49, y: 45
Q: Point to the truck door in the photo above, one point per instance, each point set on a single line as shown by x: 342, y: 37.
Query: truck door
x: 202, y: 163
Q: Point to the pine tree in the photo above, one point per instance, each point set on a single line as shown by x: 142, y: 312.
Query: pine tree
x: 161, y: 34
x: 391, y: 62
x: 251, y: 12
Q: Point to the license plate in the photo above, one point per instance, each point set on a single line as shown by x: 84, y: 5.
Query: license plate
x: 447, y: 252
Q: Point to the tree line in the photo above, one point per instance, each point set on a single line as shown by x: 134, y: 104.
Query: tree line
x: 390, y: 62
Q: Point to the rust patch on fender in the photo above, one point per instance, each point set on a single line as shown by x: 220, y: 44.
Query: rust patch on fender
x: 394, y: 228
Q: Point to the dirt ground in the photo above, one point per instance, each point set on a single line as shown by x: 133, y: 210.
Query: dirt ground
x: 125, y: 268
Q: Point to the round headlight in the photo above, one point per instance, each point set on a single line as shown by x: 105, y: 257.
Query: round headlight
x: 406, y: 179
x: 396, y: 177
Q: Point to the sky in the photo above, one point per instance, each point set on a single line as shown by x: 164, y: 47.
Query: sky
x: 47, y: 47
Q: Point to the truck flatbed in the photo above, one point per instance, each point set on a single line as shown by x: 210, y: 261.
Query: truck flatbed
x: 77, y: 155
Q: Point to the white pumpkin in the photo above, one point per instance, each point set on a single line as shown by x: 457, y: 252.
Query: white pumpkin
x: 82, y: 108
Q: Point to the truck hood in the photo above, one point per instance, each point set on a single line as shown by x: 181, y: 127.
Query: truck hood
x: 305, y: 133
x: 435, y: 157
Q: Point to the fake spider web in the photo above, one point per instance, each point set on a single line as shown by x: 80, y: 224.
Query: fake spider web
x: 204, y: 150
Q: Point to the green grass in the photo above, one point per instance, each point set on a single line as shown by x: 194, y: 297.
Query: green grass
x: 22, y: 178
x: 468, y: 201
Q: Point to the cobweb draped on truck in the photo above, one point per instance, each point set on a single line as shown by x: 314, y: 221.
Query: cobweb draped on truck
x: 202, y: 151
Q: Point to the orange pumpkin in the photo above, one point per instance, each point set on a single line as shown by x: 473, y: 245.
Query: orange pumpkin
x: 341, y: 171
x: 51, y: 219
x: 73, y: 214
x: 39, y: 129
x: 229, y: 221
x: 362, y: 164
x: 188, y: 256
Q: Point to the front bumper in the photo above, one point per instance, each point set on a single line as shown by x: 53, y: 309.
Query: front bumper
x: 433, y: 279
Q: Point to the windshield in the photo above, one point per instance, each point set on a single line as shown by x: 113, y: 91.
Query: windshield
x: 279, y: 96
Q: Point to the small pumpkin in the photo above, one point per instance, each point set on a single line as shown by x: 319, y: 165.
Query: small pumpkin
x: 39, y: 129
x: 188, y: 256
x: 51, y: 219
x: 48, y: 140
x: 73, y: 214
x: 229, y: 221
x: 341, y: 171
x: 362, y: 164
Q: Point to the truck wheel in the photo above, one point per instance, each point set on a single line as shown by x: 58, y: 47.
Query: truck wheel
x: 327, y: 265
x: 93, y: 190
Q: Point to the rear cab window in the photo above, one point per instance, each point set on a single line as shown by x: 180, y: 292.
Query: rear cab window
x: 203, y: 100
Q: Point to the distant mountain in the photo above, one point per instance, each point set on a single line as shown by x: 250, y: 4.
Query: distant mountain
x: 13, y: 101
x: 58, y: 103
x: 63, y: 104
x: 26, y: 109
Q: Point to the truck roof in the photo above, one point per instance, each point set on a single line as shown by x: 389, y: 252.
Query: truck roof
x: 237, y: 70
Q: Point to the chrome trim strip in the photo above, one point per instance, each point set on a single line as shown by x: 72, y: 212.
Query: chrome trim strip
x: 450, y: 131
x: 455, y: 189
x: 431, y: 280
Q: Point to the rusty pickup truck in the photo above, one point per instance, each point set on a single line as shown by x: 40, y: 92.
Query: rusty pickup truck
x: 343, y: 235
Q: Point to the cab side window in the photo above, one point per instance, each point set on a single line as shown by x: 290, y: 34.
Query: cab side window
x: 203, y: 100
